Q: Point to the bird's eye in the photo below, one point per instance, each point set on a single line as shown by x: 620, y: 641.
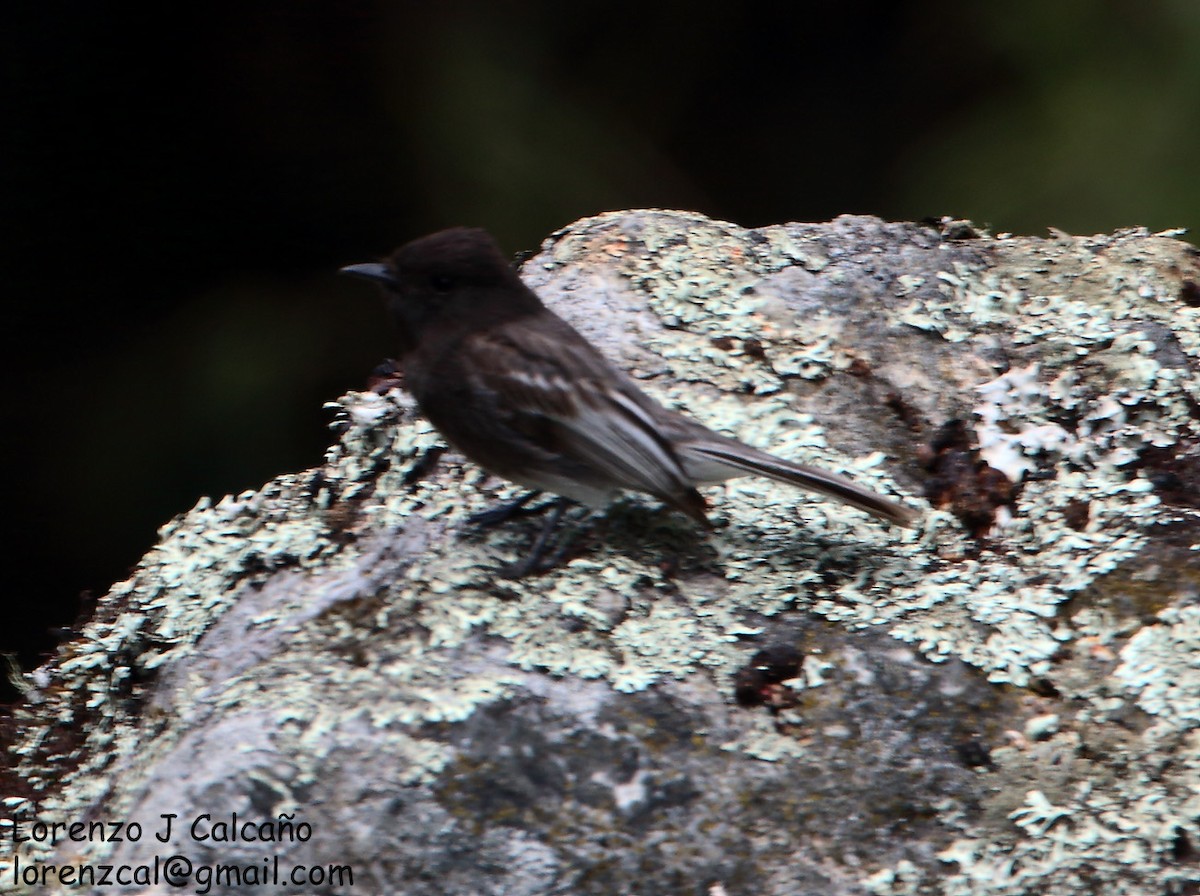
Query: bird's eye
x: 441, y: 282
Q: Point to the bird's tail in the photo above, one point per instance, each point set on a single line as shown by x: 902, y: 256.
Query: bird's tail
x: 713, y: 461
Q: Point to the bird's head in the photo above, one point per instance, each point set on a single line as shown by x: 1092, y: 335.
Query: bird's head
x: 452, y: 280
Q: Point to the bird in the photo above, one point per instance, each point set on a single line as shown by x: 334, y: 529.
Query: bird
x: 522, y: 393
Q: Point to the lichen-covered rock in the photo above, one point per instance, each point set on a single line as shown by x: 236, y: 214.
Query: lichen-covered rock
x: 1005, y: 701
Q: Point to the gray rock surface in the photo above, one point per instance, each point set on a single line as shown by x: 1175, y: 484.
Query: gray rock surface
x: 1005, y: 701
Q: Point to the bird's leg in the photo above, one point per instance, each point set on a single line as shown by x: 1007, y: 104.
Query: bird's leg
x: 537, y: 560
x: 503, y: 512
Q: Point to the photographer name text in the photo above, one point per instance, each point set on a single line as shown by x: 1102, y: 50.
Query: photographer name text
x: 202, y: 829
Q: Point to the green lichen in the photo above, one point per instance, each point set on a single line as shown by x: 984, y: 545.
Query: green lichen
x: 1160, y: 667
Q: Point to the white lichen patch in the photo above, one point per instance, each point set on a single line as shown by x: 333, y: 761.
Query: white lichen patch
x: 1067, y: 846
x: 760, y: 740
x: 1160, y: 665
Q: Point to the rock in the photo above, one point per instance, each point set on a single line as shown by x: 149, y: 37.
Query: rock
x: 333, y: 660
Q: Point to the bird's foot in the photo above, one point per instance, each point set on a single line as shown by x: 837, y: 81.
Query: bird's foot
x: 546, y: 552
x: 501, y: 513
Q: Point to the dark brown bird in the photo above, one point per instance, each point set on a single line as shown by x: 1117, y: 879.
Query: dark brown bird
x: 519, y: 391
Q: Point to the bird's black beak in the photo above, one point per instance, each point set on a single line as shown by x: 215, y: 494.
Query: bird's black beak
x: 380, y: 273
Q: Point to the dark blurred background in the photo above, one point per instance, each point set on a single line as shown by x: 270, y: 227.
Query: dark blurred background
x: 180, y: 189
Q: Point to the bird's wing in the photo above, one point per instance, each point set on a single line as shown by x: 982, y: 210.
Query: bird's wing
x: 565, y: 396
